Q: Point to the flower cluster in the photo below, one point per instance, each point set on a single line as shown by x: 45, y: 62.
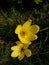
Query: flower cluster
x: 26, y: 33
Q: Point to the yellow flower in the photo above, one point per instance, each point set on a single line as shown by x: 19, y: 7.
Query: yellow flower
x: 27, y: 32
x: 20, y: 50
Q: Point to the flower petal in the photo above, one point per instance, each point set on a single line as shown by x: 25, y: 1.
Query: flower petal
x: 15, y: 48
x: 26, y: 46
x: 14, y: 54
x: 27, y: 24
x: 28, y: 52
x: 35, y: 29
x: 18, y: 29
x: 24, y: 40
x: 21, y: 56
x: 19, y: 43
x: 33, y: 37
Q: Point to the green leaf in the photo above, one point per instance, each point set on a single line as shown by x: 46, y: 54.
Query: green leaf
x: 37, y: 1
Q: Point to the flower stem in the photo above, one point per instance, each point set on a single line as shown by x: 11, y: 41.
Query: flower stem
x: 44, y: 29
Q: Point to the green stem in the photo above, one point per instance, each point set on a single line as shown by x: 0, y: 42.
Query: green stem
x: 44, y: 29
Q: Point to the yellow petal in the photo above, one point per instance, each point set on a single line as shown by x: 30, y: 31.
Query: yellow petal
x: 24, y: 40
x: 27, y: 24
x: 14, y: 54
x: 35, y: 29
x: 33, y: 37
x: 18, y: 29
x: 21, y: 56
x: 28, y: 52
x: 19, y: 43
x: 26, y: 45
x: 15, y: 48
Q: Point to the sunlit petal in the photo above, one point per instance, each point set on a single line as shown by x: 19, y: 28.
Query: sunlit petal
x: 26, y: 45
x: 28, y: 52
x: 21, y: 56
x: 33, y: 37
x: 18, y: 29
x: 14, y: 54
x: 35, y: 29
x: 24, y: 40
x: 19, y: 43
x: 27, y: 24
x: 15, y: 48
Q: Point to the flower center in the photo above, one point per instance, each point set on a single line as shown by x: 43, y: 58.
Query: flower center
x: 22, y: 49
x: 23, y: 33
